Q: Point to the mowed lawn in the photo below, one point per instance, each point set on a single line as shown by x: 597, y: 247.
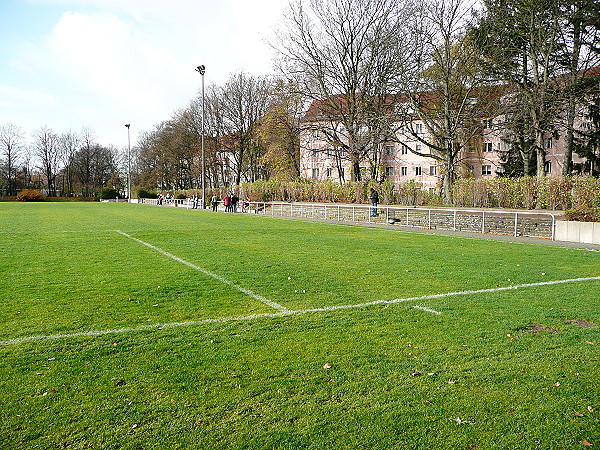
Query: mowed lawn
x: 130, y: 326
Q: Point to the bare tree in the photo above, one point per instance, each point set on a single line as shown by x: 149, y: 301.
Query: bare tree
x: 68, y: 143
x: 11, y: 145
x: 446, y: 97
x: 48, y: 152
x: 244, y: 100
x: 346, y: 55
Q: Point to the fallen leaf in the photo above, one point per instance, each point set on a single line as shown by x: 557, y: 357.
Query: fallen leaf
x: 134, y: 426
x: 327, y: 366
x: 578, y: 414
x: 590, y: 409
x: 416, y: 373
x: 586, y: 443
x: 557, y: 384
x: 451, y: 382
x: 588, y: 342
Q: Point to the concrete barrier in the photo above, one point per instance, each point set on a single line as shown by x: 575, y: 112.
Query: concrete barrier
x: 582, y: 232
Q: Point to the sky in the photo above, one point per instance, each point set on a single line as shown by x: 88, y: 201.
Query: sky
x: 101, y: 64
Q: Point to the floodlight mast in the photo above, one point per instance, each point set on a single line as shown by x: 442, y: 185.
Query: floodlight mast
x: 128, y: 164
x: 201, y: 70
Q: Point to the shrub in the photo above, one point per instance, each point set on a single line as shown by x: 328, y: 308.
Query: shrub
x: 180, y: 196
x: 146, y: 193
x: 581, y: 215
x: 108, y: 193
x: 30, y: 195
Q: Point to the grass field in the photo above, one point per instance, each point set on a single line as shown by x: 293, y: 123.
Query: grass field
x: 138, y: 327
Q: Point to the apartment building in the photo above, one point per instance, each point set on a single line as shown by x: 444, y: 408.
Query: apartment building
x: 481, y: 157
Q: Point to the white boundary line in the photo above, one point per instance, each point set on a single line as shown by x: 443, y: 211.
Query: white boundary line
x: 260, y: 298
x: 288, y: 313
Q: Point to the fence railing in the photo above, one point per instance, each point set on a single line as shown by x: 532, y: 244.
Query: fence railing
x: 514, y: 223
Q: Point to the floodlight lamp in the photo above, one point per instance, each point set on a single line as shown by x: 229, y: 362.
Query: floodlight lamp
x: 201, y: 69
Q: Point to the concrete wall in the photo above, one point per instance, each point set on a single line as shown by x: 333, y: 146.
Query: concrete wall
x: 583, y: 232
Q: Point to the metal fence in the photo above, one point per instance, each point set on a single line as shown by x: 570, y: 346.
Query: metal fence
x: 515, y: 223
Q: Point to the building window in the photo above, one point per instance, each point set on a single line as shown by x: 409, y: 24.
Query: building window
x: 418, y: 148
x: 314, y: 153
x: 389, y: 171
x: 488, y: 147
x: 548, y: 166
x: 432, y: 170
x: 329, y: 172
x: 315, y: 173
x: 418, y: 171
x: 315, y: 134
x: 486, y: 169
x: 487, y: 123
x: 404, y: 150
x: 388, y: 150
x: 549, y: 143
x: 404, y: 171
x: 418, y: 128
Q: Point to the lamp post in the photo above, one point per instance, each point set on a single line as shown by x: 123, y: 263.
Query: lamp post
x: 201, y: 70
x: 128, y: 164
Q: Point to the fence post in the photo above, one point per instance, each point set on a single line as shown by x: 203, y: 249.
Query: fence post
x: 483, y: 222
x: 454, y: 229
x: 516, y: 221
x: 338, y: 208
x: 429, y: 219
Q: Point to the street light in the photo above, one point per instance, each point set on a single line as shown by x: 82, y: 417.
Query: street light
x: 128, y: 164
x: 201, y: 70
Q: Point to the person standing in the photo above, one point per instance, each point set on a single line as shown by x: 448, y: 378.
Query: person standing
x: 234, y: 203
x: 227, y: 202
x: 374, y: 198
x: 214, y: 202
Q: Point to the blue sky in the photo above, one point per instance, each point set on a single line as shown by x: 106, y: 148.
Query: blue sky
x: 99, y: 64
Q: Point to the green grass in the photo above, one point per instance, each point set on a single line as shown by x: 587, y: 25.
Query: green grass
x: 261, y: 383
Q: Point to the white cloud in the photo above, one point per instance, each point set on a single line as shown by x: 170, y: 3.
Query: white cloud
x: 110, y: 62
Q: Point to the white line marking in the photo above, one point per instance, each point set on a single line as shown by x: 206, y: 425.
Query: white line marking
x: 284, y: 313
x: 422, y: 308
x: 210, y: 274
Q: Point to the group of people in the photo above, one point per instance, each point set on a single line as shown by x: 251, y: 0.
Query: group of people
x: 230, y: 201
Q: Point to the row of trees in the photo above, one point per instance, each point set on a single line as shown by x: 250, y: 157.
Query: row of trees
x: 378, y: 71
x: 382, y: 69
x: 375, y: 71
x: 251, y: 130
x: 69, y: 164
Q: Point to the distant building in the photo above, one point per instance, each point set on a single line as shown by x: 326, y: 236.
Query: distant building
x: 481, y: 157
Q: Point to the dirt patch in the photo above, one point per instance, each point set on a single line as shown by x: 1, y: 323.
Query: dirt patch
x: 580, y: 323
x: 537, y: 328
